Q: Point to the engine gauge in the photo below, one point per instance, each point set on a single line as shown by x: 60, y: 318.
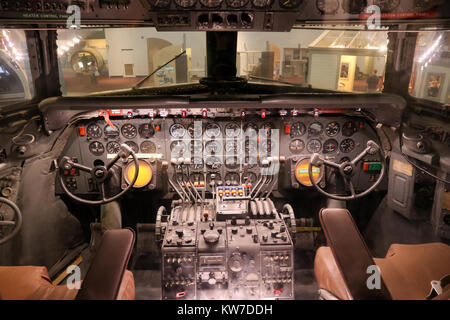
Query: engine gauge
x: 177, y: 131
x: 133, y: 146
x: 231, y: 162
x: 196, y: 163
x: 195, y: 129
x: 298, y: 129
x: 232, y: 178
x: 330, y: 146
x: 146, y: 131
x: 296, y: 146
x: 196, y: 146
x: 148, y: 147
x: 94, y: 131
x: 332, y: 129
x: 185, y: 3
x: 212, y: 130
x: 159, y: 3
x: 250, y: 177
x: 177, y: 148
x: 302, y: 174
x: 113, y: 147
x: 327, y: 6
x: 315, y: 129
x: 387, y: 5
x: 262, y: 3
x: 96, y: 148
x: 110, y: 132
x: 290, y: 4
x: 349, y: 128
x: 314, y: 146
x: 211, y: 3
x: 237, y: 3
x: 129, y: 131
x: 213, y: 163
x: 232, y: 130
x: 213, y: 147
x: 347, y: 145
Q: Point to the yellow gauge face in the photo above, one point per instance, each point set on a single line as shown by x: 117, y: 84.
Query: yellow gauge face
x: 302, y: 175
x: 144, y: 176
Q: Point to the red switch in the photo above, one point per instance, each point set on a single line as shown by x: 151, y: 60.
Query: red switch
x: 287, y: 128
x: 82, y: 131
x: 129, y: 114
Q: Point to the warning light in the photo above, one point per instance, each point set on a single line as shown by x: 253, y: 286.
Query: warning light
x: 181, y: 294
x: 82, y: 131
x: 242, y: 113
x: 263, y: 113
x: 204, y: 113
x: 287, y: 128
x: 183, y: 113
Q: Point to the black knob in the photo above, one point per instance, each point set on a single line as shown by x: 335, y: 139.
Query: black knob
x: 274, y: 234
x: 249, y: 230
x: 219, y: 230
x: 180, y: 233
x: 234, y: 230
x: 247, y: 221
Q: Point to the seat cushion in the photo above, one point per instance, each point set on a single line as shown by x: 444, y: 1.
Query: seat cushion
x: 33, y: 283
x: 407, y: 270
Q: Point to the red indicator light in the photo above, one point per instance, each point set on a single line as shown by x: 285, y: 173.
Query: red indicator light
x: 287, y: 128
x: 157, y: 127
x: 129, y: 114
x: 181, y: 294
x: 183, y: 113
x: 366, y: 166
x: 242, y: 113
x: 263, y: 114
x: 204, y: 113
x: 82, y: 131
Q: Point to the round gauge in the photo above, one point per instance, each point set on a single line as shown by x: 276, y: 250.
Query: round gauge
x: 237, y: 3
x: 231, y: 162
x: 290, y: 4
x: 330, y: 145
x: 212, y: 130
x: 332, y: 129
x: 133, y: 146
x: 327, y: 6
x: 250, y: 177
x: 177, y: 148
x: 347, y: 145
x: 298, y: 129
x: 386, y: 5
x: 96, y: 148
x: 195, y: 129
x: 159, y: 3
x: 354, y: 6
x: 196, y: 146
x: 94, y: 131
x: 232, y: 178
x: 212, y: 147
x: 196, y: 163
x: 129, y: 131
x: 148, y: 147
x: 349, y: 128
x: 185, y: 3
x: 302, y: 175
x: 113, y: 147
x: 144, y: 176
x: 232, y: 147
x: 314, y: 146
x: 213, y: 176
x: 211, y: 3
x: 146, y: 131
x: 232, y: 130
x: 251, y: 129
x: 315, y: 129
x: 262, y: 3
x: 110, y: 132
x: 213, y: 163
x: 251, y: 146
x: 296, y: 146
x: 177, y: 131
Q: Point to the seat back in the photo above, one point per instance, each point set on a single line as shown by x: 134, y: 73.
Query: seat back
x: 351, y: 253
x: 103, y: 279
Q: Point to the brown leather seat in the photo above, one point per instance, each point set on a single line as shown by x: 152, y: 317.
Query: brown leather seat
x: 33, y: 283
x: 406, y: 270
x: 106, y: 279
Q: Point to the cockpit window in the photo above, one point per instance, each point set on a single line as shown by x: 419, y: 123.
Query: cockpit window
x: 430, y: 77
x: 96, y: 60
x: 15, y: 76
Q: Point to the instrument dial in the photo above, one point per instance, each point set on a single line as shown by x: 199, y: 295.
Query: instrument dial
x: 113, y: 147
x: 177, y: 148
x: 212, y: 130
x: 290, y: 4
x: 195, y: 130
x: 298, y: 129
x: 315, y: 129
x: 314, y: 146
x: 133, y: 146
x: 177, y: 131
x: 185, y: 3
x: 296, y: 146
x: 129, y: 131
x: 94, y: 131
x: 96, y: 148
x: 327, y: 6
x: 232, y: 178
x: 148, y: 147
x: 347, y: 145
x: 232, y: 130
x: 146, y: 131
x: 349, y: 128
x: 237, y: 3
x: 110, y: 132
x: 213, y: 163
x: 211, y: 3
x: 332, y: 129
x: 330, y: 146
x: 262, y: 3
x: 213, y: 147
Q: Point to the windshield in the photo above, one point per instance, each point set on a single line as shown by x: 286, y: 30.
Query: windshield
x: 15, y: 75
x: 430, y: 77
x: 97, y: 60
